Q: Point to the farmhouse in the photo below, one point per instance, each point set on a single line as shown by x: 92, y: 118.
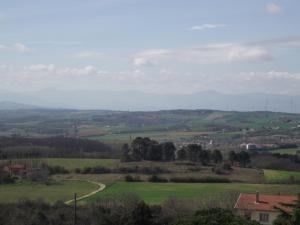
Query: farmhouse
x: 263, y: 208
x: 15, y: 169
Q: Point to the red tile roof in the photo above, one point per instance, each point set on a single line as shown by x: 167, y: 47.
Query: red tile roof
x: 16, y: 168
x: 266, y: 202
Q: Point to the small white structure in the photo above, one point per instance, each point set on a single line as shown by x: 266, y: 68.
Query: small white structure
x: 251, y: 146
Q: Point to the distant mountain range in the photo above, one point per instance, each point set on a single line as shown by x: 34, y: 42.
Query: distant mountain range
x: 135, y: 101
x: 6, y: 105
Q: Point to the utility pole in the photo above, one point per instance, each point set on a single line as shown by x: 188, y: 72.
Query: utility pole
x: 75, y: 209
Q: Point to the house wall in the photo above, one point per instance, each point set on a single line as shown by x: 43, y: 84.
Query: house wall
x: 255, y: 215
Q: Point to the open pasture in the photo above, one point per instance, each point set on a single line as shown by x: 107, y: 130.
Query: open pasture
x: 281, y: 175
x: 156, y: 193
x: 56, y: 191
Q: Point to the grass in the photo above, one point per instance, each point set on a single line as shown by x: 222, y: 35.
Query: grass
x: 59, y: 190
x: 81, y: 163
x: 290, y: 151
x: 156, y: 193
x: 72, y: 163
x: 280, y: 175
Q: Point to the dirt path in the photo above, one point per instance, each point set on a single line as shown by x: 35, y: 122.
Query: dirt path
x: 101, y: 187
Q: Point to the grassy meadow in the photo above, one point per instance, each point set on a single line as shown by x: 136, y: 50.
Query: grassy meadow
x: 280, y: 175
x: 156, y: 193
x: 57, y: 191
x: 290, y: 151
x: 69, y: 163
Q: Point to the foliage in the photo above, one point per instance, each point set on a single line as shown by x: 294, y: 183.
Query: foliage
x: 147, y: 149
x: 217, y: 216
x: 157, y: 179
x: 289, y: 219
x: 5, y: 177
x: 130, y: 178
x: 20, y: 147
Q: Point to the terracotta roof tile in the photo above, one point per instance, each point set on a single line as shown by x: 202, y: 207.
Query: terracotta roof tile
x: 266, y: 202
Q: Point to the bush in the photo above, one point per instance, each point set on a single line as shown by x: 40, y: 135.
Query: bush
x: 100, y: 170
x: 38, y: 175
x: 5, y: 177
x: 227, y: 166
x: 129, y: 178
x: 57, y: 170
x: 77, y: 170
x: 157, y: 179
x: 86, y: 170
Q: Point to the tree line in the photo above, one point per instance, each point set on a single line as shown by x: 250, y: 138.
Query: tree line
x: 148, y: 149
x: 21, y: 147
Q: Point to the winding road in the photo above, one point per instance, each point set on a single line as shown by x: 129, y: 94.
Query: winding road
x: 101, y: 187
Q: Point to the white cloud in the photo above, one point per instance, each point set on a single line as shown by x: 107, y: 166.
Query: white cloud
x: 41, y: 67
x: 204, y: 54
x: 83, y: 71
x: 273, y: 8
x: 89, y: 55
x: 19, y: 47
x: 289, y: 42
x: 151, y: 57
x: 206, y: 26
x: 165, y: 81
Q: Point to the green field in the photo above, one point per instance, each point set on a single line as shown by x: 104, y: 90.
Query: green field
x: 81, y: 163
x: 70, y: 163
x: 290, y: 151
x: 174, y: 125
x: 155, y: 193
x: 280, y: 175
x: 60, y: 190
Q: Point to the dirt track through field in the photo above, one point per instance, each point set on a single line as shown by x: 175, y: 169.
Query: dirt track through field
x: 101, y: 187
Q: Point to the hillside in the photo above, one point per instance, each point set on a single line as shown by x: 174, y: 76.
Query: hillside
x: 174, y: 125
x: 7, y: 105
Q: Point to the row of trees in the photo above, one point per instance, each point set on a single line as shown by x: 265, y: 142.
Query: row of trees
x: 242, y: 158
x: 147, y: 149
x: 195, y: 153
x: 20, y: 147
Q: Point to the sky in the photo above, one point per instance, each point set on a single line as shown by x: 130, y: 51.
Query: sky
x: 154, y: 46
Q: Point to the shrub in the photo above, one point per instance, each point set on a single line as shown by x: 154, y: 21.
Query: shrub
x: 227, y: 166
x: 77, y: 170
x: 129, y: 178
x: 100, y: 170
x: 57, y: 170
x: 157, y: 179
x: 5, y: 177
x: 86, y: 170
x: 38, y: 175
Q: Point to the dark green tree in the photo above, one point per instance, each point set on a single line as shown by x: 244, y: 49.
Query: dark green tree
x: 285, y: 218
x: 232, y: 157
x: 243, y: 158
x: 182, y: 154
x: 168, y: 151
x: 217, y: 156
x: 193, y: 152
x: 155, y: 153
x: 125, y: 153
